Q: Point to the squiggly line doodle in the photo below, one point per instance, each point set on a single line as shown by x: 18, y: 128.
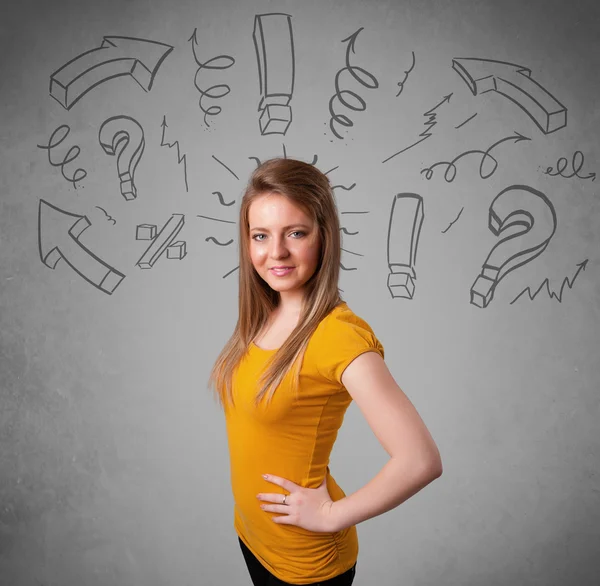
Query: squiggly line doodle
x: 451, y: 170
x: 180, y: 158
x: 576, y: 165
x: 367, y: 80
x: 551, y: 294
x: 221, y: 200
x: 109, y: 217
x: 214, y: 92
x: 429, y: 123
x: 400, y: 84
x: 70, y: 156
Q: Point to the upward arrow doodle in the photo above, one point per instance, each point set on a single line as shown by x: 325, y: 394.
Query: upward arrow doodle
x: 116, y: 56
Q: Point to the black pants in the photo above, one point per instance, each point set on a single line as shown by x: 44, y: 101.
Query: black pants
x: 262, y: 577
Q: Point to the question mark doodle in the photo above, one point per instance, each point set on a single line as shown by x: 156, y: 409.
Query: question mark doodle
x: 123, y: 136
x: 528, y: 218
x: 406, y: 219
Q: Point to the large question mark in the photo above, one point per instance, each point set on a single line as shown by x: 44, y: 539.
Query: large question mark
x: 406, y: 219
x: 123, y: 136
x: 528, y: 218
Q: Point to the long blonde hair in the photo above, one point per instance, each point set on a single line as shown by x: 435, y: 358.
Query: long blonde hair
x: 309, y: 189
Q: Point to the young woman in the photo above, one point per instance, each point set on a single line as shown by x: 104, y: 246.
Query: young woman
x: 297, y: 357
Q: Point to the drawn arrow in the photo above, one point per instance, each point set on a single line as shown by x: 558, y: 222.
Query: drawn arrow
x: 117, y: 56
x: 514, y: 82
x: 58, y: 237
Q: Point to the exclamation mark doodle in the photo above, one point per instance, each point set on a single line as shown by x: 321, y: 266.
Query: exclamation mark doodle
x: 406, y: 219
x: 274, y: 45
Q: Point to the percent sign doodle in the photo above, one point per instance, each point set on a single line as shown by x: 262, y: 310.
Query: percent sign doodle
x: 527, y: 220
x: 123, y: 136
x: 161, y: 241
x: 406, y: 219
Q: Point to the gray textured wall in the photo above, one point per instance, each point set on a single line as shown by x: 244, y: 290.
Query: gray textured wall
x: 117, y: 294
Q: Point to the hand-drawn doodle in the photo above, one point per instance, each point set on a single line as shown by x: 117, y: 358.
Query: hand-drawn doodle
x: 313, y: 162
x: 451, y: 170
x: 339, y: 94
x: 108, y: 216
x: 576, y: 165
x: 343, y: 267
x: 180, y: 158
x: 226, y: 167
x: 551, y: 294
x: 528, y: 218
x: 465, y: 121
x: 344, y: 187
x: 400, y: 84
x: 70, y: 156
x: 429, y: 123
x: 453, y: 221
x: 123, y: 136
x: 406, y: 219
x: 221, y: 200
x: 161, y: 241
x: 214, y: 92
x: 117, y: 56
x: 217, y: 242
x: 274, y: 44
x: 59, y: 235
x: 514, y: 82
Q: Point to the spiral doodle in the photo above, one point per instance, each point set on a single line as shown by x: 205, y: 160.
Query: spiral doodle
x: 70, y: 156
x: 216, y: 91
x: 356, y: 73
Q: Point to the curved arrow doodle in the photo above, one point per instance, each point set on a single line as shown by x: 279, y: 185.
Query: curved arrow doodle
x: 527, y: 221
x: 58, y: 238
x: 515, y: 83
x: 117, y: 56
x: 451, y: 170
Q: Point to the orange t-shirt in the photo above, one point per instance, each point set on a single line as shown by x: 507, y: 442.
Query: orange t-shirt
x: 293, y: 440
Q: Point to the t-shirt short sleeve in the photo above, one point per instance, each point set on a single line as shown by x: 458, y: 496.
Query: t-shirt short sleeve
x: 345, y: 336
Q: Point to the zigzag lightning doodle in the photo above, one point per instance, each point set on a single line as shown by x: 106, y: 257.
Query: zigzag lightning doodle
x: 552, y: 294
x: 180, y: 158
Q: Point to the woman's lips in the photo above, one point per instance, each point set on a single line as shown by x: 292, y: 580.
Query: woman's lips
x: 282, y: 272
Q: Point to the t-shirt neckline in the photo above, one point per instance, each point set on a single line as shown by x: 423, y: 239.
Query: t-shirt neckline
x: 252, y: 343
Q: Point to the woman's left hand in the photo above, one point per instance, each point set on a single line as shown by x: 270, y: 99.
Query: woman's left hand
x: 309, y: 508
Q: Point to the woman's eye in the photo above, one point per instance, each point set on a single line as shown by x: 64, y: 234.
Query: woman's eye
x: 295, y: 232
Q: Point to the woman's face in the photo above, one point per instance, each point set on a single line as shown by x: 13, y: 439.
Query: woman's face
x: 281, y: 234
